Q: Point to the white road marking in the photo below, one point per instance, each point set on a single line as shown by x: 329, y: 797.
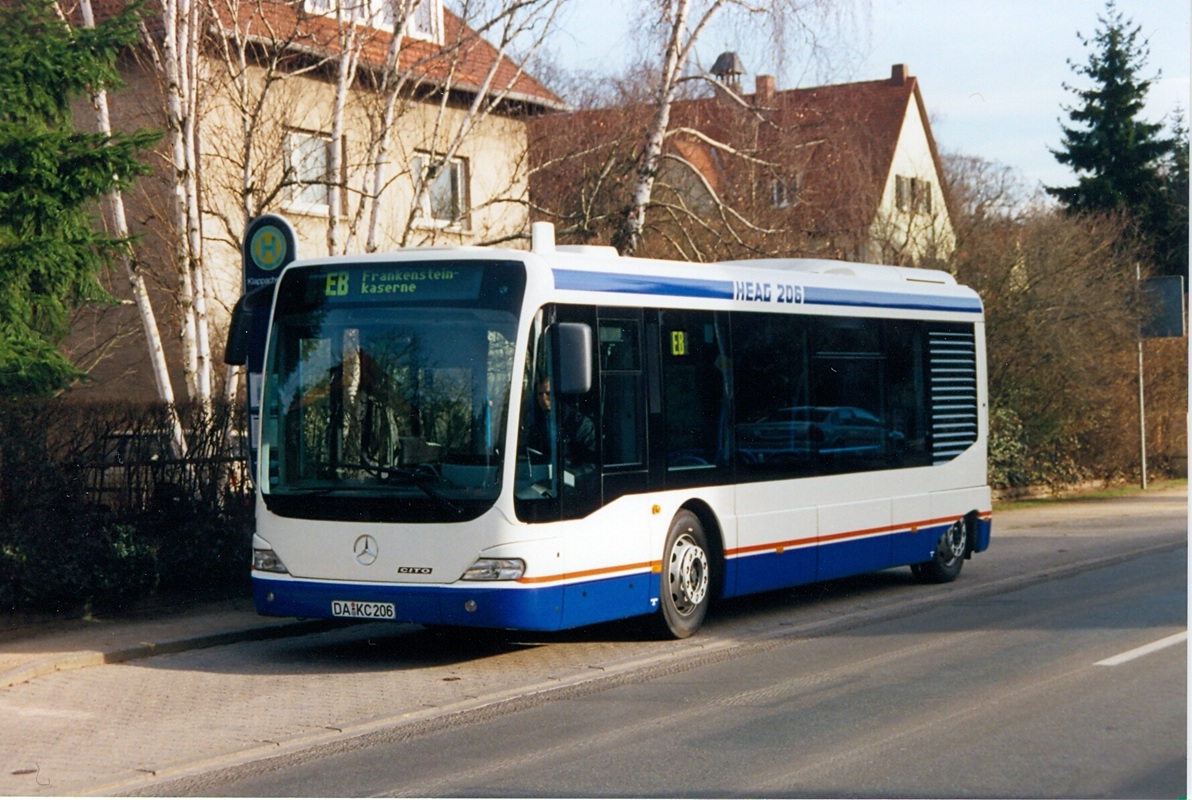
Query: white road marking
x: 1146, y: 649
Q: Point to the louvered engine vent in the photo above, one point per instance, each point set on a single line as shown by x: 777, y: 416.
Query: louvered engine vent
x: 953, y: 393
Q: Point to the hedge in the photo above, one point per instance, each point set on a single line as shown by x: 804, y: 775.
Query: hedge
x: 99, y: 511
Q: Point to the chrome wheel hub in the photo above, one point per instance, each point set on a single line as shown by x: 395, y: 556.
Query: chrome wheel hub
x: 687, y: 574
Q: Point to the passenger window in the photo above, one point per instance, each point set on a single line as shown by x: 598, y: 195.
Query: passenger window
x: 907, y: 400
x: 848, y: 372
x: 622, y: 437
x: 775, y: 420
x: 697, y: 380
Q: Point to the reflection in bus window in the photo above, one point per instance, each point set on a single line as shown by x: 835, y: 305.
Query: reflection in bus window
x: 697, y: 393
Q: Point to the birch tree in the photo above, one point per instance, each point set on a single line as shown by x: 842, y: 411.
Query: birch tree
x: 255, y: 61
x: 500, y: 25
x: 409, y: 76
x: 132, y: 267
x: 176, y: 60
x: 677, y: 26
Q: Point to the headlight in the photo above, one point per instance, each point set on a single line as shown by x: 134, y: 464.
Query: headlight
x: 267, y: 561
x: 496, y: 569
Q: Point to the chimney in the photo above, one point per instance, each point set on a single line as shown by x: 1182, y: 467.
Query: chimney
x: 898, y: 75
x: 764, y: 91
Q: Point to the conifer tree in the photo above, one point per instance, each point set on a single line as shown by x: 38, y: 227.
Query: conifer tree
x: 51, y: 177
x: 1170, y: 218
x: 1119, y: 158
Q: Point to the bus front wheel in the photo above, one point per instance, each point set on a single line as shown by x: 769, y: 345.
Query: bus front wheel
x: 950, y: 551
x: 686, y: 577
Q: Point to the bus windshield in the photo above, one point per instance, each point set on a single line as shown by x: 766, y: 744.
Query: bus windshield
x: 386, y: 389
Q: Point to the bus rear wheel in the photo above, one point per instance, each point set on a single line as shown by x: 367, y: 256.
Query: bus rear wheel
x: 686, y: 577
x: 950, y: 551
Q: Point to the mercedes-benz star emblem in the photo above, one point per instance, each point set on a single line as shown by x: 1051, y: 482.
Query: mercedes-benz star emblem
x: 365, y: 549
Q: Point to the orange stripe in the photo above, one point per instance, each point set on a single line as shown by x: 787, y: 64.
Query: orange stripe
x: 656, y: 566
x: 588, y: 573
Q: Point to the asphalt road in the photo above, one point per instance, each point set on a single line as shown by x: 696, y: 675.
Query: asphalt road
x: 872, y: 686
x: 1014, y: 695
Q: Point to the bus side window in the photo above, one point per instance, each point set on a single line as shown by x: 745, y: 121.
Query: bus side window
x: 774, y: 422
x: 697, y: 382
x: 621, y: 393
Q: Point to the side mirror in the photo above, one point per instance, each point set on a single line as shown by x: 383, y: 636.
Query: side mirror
x: 575, y: 357
x: 250, y: 312
x: 239, y: 334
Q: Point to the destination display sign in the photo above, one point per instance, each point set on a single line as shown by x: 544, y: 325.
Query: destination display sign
x: 346, y: 284
x: 395, y: 283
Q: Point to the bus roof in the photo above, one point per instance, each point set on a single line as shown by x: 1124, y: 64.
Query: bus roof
x: 777, y: 281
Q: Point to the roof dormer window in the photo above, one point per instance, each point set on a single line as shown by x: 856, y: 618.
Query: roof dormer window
x: 424, y: 18
x: 373, y: 13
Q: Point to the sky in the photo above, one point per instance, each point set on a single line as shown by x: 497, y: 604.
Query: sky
x: 992, y: 74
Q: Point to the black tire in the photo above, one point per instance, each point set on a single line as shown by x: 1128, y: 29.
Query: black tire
x: 686, y: 588
x: 948, y: 559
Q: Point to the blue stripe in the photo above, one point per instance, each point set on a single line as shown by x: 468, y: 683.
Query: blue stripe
x: 577, y: 280
x: 870, y: 299
x: 642, y: 284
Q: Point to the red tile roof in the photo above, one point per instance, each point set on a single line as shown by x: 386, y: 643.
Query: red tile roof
x: 837, y: 142
x: 840, y: 139
x: 464, y: 59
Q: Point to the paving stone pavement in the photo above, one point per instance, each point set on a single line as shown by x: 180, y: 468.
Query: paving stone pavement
x: 30, y: 648
x: 139, y: 720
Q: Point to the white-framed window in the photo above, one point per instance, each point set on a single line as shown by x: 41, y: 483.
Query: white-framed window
x: 912, y: 194
x: 373, y: 13
x: 424, y: 18
x: 308, y: 171
x: 445, y: 202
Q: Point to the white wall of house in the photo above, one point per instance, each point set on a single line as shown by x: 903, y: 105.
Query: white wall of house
x: 912, y: 221
x: 491, y: 160
x: 496, y: 193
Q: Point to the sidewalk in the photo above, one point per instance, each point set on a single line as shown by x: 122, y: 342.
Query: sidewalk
x: 42, y: 647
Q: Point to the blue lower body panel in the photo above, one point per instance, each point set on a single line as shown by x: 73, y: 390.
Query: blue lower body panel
x: 767, y: 571
x: 484, y: 606
x: 772, y: 570
x: 530, y: 609
x: 984, y: 532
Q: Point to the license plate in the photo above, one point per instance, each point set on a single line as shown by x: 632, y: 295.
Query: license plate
x: 358, y: 610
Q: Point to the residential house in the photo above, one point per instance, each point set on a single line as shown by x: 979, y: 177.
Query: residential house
x: 265, y: 138
x: 844, y: 171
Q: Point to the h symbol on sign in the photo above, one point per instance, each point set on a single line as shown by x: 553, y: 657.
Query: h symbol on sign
x: 268, y: 245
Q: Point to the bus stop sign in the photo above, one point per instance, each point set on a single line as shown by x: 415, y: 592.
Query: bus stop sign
x: 269, y: 244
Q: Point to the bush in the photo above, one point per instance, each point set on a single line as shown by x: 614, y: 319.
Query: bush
x: 1009, y: 456
x: 64, y: 563
x: 199, y: 551
x: 98, y: 512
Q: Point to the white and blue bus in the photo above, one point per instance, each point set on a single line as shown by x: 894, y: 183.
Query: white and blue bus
x: 552, y: 438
